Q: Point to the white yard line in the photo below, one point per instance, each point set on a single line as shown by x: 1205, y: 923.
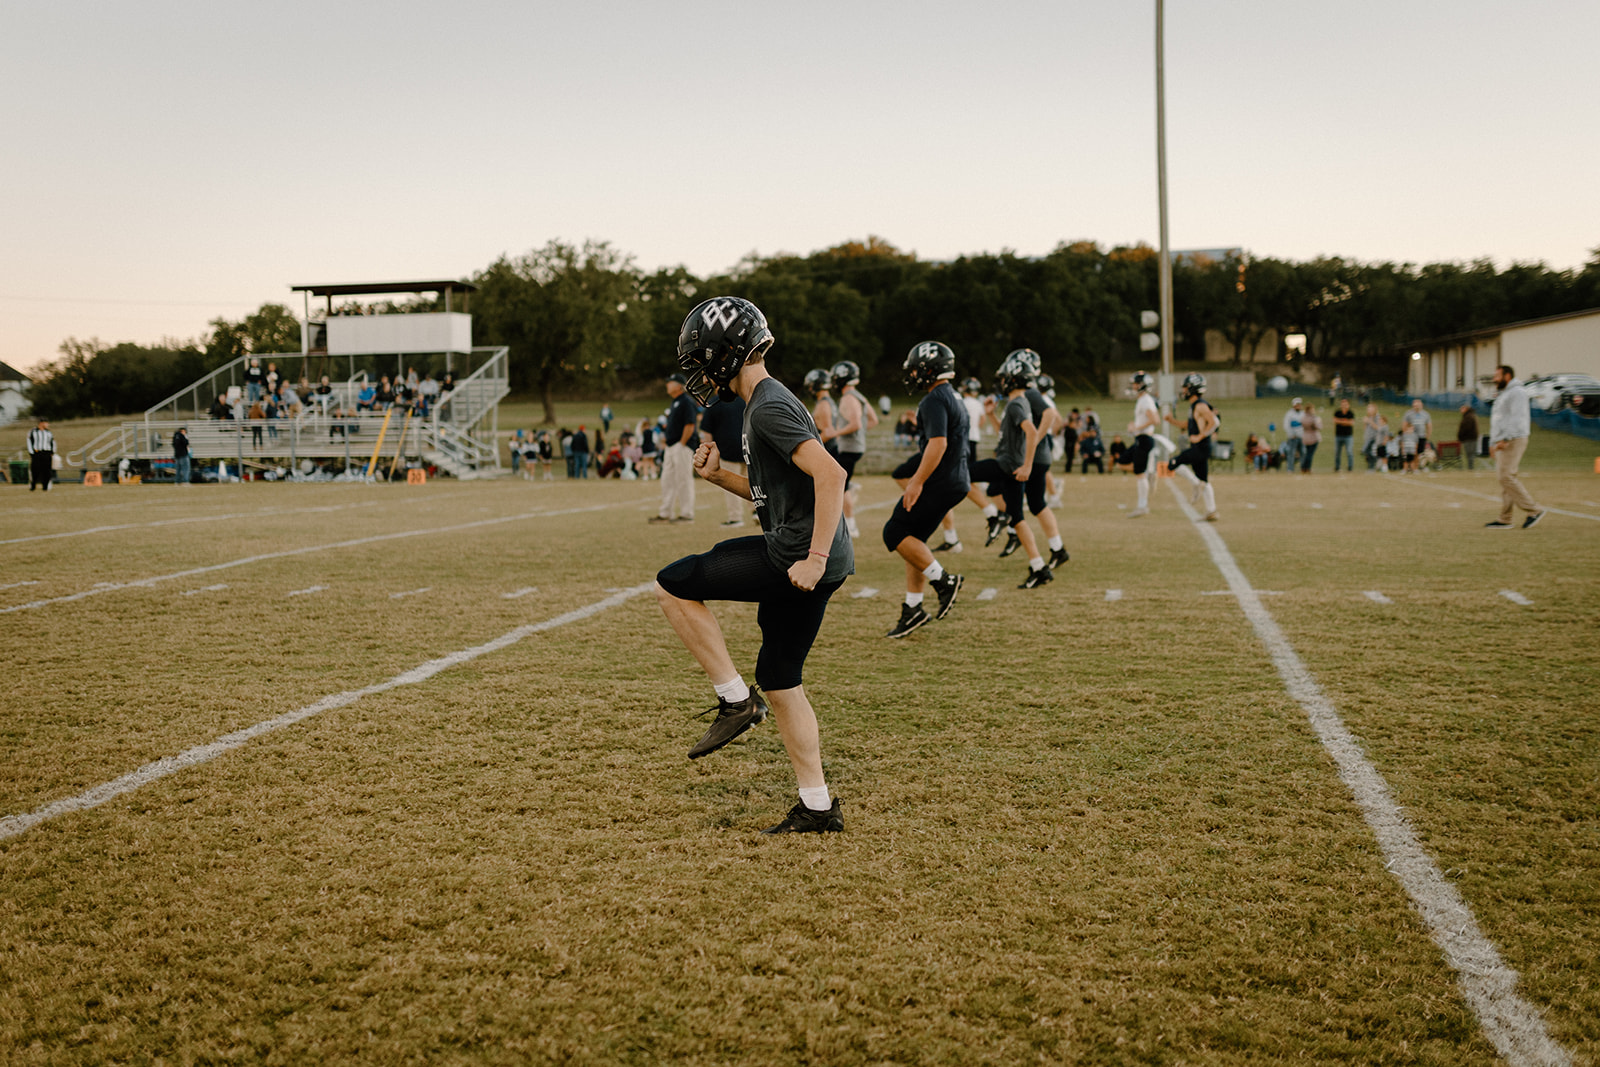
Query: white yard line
x: 1113, y: 594
x: 988, y: 594
x: 12, y: 825
x: 410, y: 592
x: 863, y: 594
x: 1515, y: 1027
x: 306, y: 591
x: 196, y: 518
x: 1489, y: 496
x: 144, y: 583
x: 515, y: 593
x: 206, y: 589
x: 15, y: 585
x: 1377, y: 597
x: 1516, y: 597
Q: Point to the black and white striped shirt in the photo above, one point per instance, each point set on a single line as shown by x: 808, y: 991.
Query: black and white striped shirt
x: 40, y: 441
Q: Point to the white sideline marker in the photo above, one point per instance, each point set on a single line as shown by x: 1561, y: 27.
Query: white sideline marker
x: 13, y: 825
x: 863, y: 594
x: 1515, y: 1027
x: 1316, y: 507
x: 410, y: 592
x: 205, y: 589
x: 988, y: 594
x: 306, y: 591
x: 1377, y: 597
x: 1516, y: 597
x: 1386, y: 504
x: 1113, y: 594
x: 17, y: 585
x: 515, y: 593
x: 1231, y: 592
x: 1252, y: 507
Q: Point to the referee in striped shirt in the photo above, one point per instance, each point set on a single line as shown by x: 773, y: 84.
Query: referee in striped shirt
x: 42, y: 453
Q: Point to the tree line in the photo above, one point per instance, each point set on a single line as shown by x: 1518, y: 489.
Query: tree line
x: 585, y: 319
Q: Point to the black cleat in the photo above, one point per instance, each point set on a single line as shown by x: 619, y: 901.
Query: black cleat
x: 1036, y: 578
x: 911, y: 617
x: 1058, y: 556
x: 731, y: 721
x: 946, y: 588
x: 802, y: 820
x: 1012, y: 544
x: 949, y: 546
x: 997, y: 526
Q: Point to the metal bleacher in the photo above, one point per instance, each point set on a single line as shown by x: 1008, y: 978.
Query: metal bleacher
x: 458, y: 436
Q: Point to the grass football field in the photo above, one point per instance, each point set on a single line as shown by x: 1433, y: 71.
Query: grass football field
x: 1087, y: 823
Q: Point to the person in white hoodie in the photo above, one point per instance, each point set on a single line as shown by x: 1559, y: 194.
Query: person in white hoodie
x: 1508, y: 440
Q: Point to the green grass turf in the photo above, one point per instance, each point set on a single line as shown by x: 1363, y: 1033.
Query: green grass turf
x: 1077, y: 830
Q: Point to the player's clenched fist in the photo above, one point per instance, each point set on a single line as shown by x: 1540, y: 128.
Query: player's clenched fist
x: 707, y: 461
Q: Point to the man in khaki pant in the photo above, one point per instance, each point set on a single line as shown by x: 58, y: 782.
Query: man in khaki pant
x: 677, y: 460
x: 1508, y: 440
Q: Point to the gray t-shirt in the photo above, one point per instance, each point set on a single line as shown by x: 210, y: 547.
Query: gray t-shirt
x: 1013, y: 443
x: 775, y: 424
x: 857, y: 441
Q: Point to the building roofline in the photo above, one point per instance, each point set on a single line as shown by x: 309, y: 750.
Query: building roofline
x: 1491, y: 331
x: 379, y: 288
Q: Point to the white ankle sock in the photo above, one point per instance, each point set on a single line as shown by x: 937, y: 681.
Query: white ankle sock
x: 1210, y: 499
x: 990, y: 511
x: 1144, y: 493
x: 933, y: 571
x: 816, y: 799
x: 733, y: 692
x: 1036, y: 563
x: 1055, y: 543
x: 950, y: 536
x: 914, y: 600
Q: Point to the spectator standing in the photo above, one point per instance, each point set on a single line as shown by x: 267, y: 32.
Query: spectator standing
x: 605, y: 417
x: 258, y: 416
x: 1091, y: 421
x: 272, y: 377
x: 180, y: 456
x: 547, y: 454
x: 580, y: 452
x: 518, y: 443
x: 677, y: 463
x: 1294, y: 433
x: 1069, y: 436
x: 1344, y: 429
x: 647, y: 449
x: 723, y: 422
x: 255, y: 380
x: 1310, y: 437
x: 1369, y: 436
x: 1467, y: 434
x: 1509, y: 426
x: 41, y: 456
x: 1419, y: 419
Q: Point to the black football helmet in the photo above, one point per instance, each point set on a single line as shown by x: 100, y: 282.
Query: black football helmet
x: 846, y: 372
x: 1142, y: 381
x: 971, y: 386
x: 1012, y: 375
x: 1194, y: 384
x: 718, y: 337
x: 1029, y: 360
x: 929, y: 363
x: 1046, y: 383
x: 817, y: 380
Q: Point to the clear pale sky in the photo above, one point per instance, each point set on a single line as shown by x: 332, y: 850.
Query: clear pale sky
x: 168, y: 162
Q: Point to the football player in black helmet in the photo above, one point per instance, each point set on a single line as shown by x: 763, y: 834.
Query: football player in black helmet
x: 824, y: 411
x: 855, y: 417
x: 1011, y: 469
x: 790, y: 570
x: 1146, y: 421
x: 1200, y: 428
x: 933, y: 481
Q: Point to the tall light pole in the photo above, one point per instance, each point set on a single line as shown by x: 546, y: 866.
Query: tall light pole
x: 1164, y: 268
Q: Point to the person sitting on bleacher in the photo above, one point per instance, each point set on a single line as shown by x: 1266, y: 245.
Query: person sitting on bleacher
x: 1092, y: 449
x: 385, y: 398
x: 1120, y: 458
x: 366, y: 398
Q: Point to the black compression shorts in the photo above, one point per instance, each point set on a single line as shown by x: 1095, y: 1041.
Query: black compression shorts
x: 1036, y: 487
x: 848, y: 461
x: 1139, y: 455
x: 1197, y: 457
x: 922, y: 520
x: 908, y: 467
x: 740, y: 570
x: 1002, y: 484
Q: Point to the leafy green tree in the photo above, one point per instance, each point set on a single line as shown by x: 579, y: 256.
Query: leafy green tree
x: 567, y: 314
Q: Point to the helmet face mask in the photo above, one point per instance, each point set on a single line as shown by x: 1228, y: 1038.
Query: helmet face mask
x: 928, y: 364
x: 717, y: 339
x: 972, y: 387
x: 845, y: 372
x: 1194, y: 384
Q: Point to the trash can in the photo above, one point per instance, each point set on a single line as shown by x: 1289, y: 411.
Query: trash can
x: 19, y: 472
